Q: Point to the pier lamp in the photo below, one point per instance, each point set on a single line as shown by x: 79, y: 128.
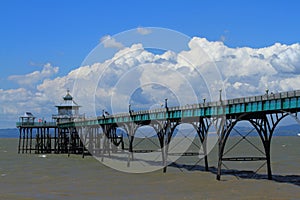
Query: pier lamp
x: 220, y: 94
x: 267, y: 91
x: 166, y: 103
x: 129, y: 108
x: 204, y: 99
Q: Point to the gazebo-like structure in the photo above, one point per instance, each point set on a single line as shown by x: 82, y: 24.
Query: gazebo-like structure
x: 68, y: 110
x: 27, y: 119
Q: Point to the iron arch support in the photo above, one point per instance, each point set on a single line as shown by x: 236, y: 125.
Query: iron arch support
x: 202, y: 127
x: 224, y: 130
x: 265, y: 127
x: 165, y: 140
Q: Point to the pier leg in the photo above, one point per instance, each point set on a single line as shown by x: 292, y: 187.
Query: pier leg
x: 161, y: 137
x: 122, y: 143
x: 222, y: 132
x: 27, y: 132
x: 219, y: 169
x: 23, y: 145
x: 37, y: 142
x: 82, y: 140
x: 55, y: 140
x: 165, y: 141
x: 108, y: 143
x: 205, y: 156
x: 130, y: 149
x: 166, y: 150
x: 165, y: 157
x: 90, y: 134
x: 20, y: 139
x: 42, y: 140
x: 49, y: 141
x: 30, y: 141
x: 268, y: 158
x: 222, y: 141
x: 103, y: 146
x: 66, y: 141
x: 58, y: 140
x: 202, y: 130
x: 69, y: 141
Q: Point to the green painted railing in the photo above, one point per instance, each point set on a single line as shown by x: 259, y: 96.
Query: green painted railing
x: 265, y: 103
x: 36, y: 124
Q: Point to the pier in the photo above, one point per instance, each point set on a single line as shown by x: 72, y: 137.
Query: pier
x: 99, y: 135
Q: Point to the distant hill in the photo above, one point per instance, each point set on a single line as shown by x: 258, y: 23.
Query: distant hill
x: 290, y: 130
x: 9, y: 133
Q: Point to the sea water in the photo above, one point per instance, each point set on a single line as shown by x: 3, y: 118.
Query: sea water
x: 57, y: 176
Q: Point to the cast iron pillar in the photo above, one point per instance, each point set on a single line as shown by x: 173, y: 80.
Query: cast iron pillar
x: 202, y: 130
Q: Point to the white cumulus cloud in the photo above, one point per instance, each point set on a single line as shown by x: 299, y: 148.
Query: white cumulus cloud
x: 110, y: 42
x: 143, y: 31
x: 36, y: 76
x: 134, y: 75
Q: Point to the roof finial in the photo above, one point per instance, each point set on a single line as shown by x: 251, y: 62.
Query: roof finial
x: 68, y: 96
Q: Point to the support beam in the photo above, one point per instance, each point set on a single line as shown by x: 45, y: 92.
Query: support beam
x: 202, y: 128
x: 20, y: 139
x: 264, y: 124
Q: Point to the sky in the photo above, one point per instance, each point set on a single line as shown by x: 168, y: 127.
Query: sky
x: 43, y: 42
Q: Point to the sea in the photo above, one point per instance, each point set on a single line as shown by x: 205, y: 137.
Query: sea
x: 57, y: 176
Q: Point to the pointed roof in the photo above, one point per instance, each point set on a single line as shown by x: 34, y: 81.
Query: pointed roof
x: 68, y: 97
x: 68, y: 101
x: 28, y: 115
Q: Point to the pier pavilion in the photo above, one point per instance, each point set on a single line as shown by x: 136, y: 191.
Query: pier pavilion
x: 46, y: 137
x: 68, y: 110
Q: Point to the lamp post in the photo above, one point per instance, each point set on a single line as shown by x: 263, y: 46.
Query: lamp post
x: 166, y: 103
x: 267, y: 91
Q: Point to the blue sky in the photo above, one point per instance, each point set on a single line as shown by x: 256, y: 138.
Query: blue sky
x: 46, y: 39
x: 34, y: 32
